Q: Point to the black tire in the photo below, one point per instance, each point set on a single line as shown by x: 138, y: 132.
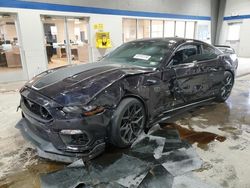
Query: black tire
x: 226, y: 88
x: 127, y: 123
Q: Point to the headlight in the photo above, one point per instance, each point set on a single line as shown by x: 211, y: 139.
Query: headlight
x: 72, y: 109
x: 85, y: 110
x: 93, y: 111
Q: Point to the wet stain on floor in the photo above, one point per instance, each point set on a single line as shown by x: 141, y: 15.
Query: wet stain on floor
x: 30, y: 177
x: 201, y: 138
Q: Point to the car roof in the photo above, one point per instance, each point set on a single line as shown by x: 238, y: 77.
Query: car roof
x: 177, y: 40
x: 168, y: 39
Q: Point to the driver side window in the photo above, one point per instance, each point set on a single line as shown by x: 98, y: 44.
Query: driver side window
x: 186, y: 54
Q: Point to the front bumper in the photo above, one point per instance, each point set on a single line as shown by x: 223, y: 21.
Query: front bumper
x: 51, y: 135
x: 47, y: 150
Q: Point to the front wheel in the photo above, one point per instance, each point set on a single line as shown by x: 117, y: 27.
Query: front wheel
x: 128, y: 122
x: 227, y: 85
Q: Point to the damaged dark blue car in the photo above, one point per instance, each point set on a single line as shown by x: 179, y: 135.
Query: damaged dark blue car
x: 73, y: 111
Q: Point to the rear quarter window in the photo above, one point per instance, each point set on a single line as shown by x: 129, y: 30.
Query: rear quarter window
x: 208, y: 53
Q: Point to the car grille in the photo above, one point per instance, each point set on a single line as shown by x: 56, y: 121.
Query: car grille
x: 37, y: 109
x: 39, y: 131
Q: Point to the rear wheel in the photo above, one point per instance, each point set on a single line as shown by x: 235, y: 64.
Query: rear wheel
x: 128, y: 122
x: 227, y: 85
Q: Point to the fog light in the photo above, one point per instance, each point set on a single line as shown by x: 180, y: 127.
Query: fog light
x: 71, y: 132
x: 74, y: 138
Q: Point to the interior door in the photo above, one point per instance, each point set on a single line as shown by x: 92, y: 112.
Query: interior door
x: 190, y: 78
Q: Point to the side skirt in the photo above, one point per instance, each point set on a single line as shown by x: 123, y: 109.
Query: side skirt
x: 179, y: 110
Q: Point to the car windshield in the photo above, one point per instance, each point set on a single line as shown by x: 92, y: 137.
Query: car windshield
x: 140, y: 53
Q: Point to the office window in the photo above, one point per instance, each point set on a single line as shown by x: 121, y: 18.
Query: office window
x: 157, y: 28
x: 129, y: 30
x: 180, y: 29
x: 66, y: 40
x: 190, y: 30
x: 143, y: 29
x: 233, y: 31
x: 203, y: 33
x: 55, y: 41
x: 169, y: 28
x: 78, y: 39
x: 10, y: 56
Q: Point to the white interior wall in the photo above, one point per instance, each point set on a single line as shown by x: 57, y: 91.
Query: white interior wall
x: 32, y: 40
x: 236, y: 8
x: 190, y: 7
x: 112, y: 24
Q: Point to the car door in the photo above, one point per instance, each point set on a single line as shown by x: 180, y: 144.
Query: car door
x: 210, y: 63
x: 189, y: 82
x: 160, y: 97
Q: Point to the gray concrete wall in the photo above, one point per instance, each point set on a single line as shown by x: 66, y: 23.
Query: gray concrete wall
x: 217, y: 15
x: 214, y: 18
x: 190, y: 7
x: 220, y: 17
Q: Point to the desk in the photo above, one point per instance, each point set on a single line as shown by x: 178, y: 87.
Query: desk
x: 3, y: 62
x: 13, y: 57
x: 83, y: 53
x: 61, y: 52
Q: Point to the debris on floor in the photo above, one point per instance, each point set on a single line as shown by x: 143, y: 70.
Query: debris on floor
x: 154, y: 160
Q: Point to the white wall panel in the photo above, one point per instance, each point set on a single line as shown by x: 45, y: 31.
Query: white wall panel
x: 237, y: 8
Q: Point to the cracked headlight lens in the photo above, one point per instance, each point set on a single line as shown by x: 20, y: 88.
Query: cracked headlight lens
x: 86, y: 110
x: 89, y: 108
x: 92, y: 110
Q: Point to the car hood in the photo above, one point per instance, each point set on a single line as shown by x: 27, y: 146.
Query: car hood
x: 78, y: 84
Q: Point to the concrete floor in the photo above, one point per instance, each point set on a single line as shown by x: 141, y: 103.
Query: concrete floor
x: 226, y: 161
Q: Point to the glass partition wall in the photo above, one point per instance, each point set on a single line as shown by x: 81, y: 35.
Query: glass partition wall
x: 11, y: 66
x: 144, y: 28
x: 129, y: 30
x: 157, y: 28
x: 66, y: 40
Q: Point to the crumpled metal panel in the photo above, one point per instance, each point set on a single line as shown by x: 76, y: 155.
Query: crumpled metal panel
x: 126, y: 171
x: 149, y: 144
x: 138, y: 167
x: 181, y: 161
x: 157, y: 177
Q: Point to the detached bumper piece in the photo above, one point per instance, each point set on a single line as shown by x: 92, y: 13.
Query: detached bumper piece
x: 47, y: 150
x: 158, y: 159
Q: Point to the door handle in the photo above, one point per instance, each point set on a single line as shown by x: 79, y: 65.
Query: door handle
x: 212, y: 69
x: 193, y: 64
x: 150, y: 82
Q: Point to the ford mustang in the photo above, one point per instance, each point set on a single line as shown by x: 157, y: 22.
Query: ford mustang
x: 74, y: 111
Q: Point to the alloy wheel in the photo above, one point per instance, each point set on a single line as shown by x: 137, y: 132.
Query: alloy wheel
x: 227, y: 86
x: 132, y: 123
